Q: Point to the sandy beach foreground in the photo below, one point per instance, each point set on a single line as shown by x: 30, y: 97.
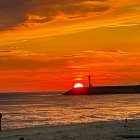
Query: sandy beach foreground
x: 110, y: 130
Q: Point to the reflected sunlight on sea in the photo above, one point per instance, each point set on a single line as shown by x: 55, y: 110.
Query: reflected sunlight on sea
x: 30, y: 109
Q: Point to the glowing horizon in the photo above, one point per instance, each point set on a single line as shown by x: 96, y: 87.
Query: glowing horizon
x: 48, y: 45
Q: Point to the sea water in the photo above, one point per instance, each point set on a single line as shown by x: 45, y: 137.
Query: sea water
x: 32, y: 109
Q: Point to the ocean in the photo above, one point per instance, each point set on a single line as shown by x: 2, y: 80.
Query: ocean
x: 34, y: 109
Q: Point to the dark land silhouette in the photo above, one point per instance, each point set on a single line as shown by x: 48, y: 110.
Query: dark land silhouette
x: 97, y: 90
x: 104, y: 90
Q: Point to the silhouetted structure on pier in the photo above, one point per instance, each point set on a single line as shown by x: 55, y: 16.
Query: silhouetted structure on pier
x: 89, y: 83
x: 92, y: 90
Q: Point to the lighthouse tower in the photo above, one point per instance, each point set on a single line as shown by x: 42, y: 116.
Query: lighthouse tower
x: 89, y: 81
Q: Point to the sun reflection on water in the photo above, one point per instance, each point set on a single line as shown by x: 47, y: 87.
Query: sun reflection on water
x: 31, y: 110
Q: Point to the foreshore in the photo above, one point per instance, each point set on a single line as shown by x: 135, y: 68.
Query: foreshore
x: 109, y: 130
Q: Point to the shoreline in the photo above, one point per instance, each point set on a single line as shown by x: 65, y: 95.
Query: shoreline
x: 103, y: 130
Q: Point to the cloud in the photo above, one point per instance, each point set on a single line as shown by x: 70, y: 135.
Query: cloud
x: 13, y: 13
x: 106, y: 67
x: 4, y: 51
x: 104, y: 11
x: 23, y: 60
x: 105, y: 59
x: 31, y: 19
x: 51, y: 10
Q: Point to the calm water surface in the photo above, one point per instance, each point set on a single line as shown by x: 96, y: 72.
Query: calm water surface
x: 30, y: 109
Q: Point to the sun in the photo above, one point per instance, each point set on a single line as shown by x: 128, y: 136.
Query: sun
x: 78, y: 85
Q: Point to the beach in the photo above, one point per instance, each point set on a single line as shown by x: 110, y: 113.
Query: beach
x: 104, y: 130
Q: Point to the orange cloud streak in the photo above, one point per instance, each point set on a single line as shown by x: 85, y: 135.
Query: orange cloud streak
x: 37, y: 73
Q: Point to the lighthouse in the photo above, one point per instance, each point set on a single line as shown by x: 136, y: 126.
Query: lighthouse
x: 89, y: 81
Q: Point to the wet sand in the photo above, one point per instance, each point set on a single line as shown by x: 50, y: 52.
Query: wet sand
x: 109, y: 130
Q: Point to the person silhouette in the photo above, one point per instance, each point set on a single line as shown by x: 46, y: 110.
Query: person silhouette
x: 126, y: 120
x: 125, y: 125
x: 0, y: 120
x: 21, y: 139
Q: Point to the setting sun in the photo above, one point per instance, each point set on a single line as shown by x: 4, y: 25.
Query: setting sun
x: 78, y: 85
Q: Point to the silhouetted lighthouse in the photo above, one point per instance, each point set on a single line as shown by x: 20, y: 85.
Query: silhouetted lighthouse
x: 89, y: 84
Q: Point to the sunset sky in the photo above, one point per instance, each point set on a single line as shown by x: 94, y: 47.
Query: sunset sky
x: 52, y: 44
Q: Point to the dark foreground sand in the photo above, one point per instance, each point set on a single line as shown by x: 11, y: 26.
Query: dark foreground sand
x: 111, y: 130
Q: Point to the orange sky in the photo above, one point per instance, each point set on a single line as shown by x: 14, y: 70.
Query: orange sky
x: 51, y: 44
